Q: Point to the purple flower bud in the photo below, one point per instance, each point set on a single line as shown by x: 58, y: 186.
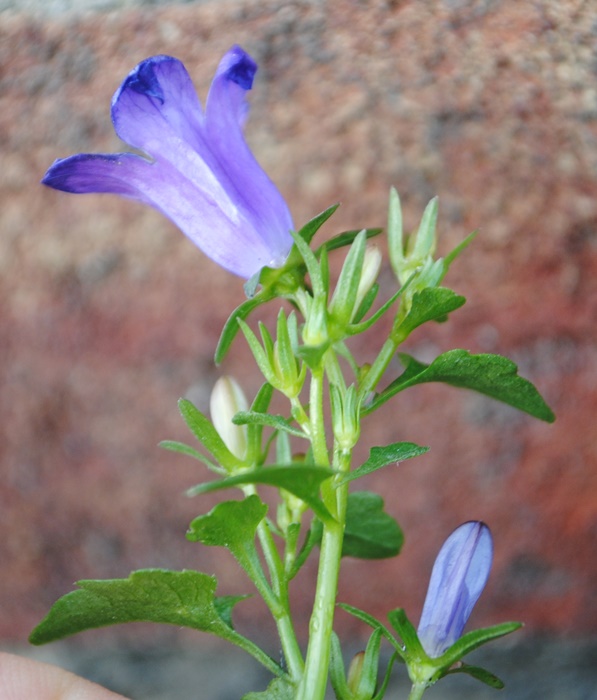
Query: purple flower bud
x: 459, y: 575
x: 198, y: 169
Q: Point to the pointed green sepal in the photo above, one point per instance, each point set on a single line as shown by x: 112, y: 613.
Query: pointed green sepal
x: 408, y: 634
x: 231, y: 326
x: 481, y: 674
x: 269, y: 420
x: 473, y: 640
x: 375, y: 624
x: 346, y: 238
x: 207, y: 435
x: 182, y: 448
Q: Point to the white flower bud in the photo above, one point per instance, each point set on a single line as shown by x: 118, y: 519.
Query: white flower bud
x: 227, y: 399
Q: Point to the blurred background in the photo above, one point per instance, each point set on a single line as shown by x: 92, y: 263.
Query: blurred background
x: 108, y: 314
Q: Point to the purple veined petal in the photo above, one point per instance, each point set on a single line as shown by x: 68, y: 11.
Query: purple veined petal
x: 458, y: 578
x: 235, y: 246
x: 199, y: 171
x: 225, y: 113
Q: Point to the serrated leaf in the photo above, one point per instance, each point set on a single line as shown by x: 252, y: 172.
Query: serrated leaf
x: 429, y: 304
x: 301, y: 480
x: 480, y: 674
x: 231, y: 524
x: 225, y: 604
x: 473, y: 640
x: 383, y: 456
x: 492, y: 375
x: 266, y: 419
x: 278, y: 689
x: 370, y: 532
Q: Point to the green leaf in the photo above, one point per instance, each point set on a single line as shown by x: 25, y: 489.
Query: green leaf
x: 492, y: 375
x: 207, y: 435
x: 382, y: 456
x: 301, y: 480
x: 278, y: 689
x: 473, y: 640
x: 231, y: 524
x: 266, y: 419
x: 480, y: 674
x: 231, y: 326
x: 370, y: 533
x: 181, y: 598
x: 429, y: 304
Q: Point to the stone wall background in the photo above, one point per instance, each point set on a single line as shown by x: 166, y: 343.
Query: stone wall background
x: 108, y: 315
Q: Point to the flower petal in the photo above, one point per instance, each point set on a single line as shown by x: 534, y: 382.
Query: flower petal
x: 459, y: 575
x: 84, y: 173
x: 225, y: 113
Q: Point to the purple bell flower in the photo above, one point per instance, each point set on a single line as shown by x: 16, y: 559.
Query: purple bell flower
x: 198, y: 169
x: 458, y: 578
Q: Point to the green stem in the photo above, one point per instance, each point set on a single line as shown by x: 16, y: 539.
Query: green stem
x: 416, y: 692
x: 314, y: 681
x: 290, y: 646
x: 379, y: 366
x: 277, y: 599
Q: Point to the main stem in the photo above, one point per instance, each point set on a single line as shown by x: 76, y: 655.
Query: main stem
x: 416, y: 692
x: 314, y: 680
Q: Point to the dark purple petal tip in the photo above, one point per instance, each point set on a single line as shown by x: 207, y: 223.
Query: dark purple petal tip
x: 242, y: 71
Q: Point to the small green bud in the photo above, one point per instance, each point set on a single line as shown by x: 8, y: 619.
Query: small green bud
x: 227, y: 399
x: 345, y: 416
x: 289, y: 375
x: 371, y: 265
x: 315, y: 330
